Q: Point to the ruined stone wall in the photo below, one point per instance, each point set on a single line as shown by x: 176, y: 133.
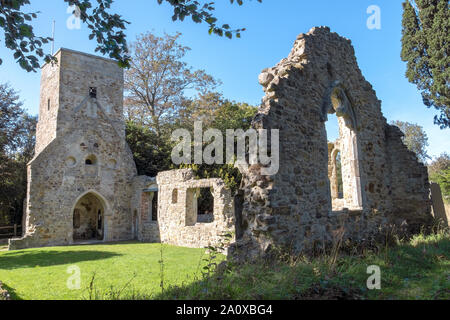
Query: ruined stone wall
x: 145, y: 190
x: 293, y: 208
x: 440, y: 209
x: 409, y: 186
x: 87, y: 128
x: 177, y: 216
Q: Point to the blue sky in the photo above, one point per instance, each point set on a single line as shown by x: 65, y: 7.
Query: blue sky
x: 272, y: 26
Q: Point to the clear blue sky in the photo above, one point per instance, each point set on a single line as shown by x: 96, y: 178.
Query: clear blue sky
x: 272, y: 27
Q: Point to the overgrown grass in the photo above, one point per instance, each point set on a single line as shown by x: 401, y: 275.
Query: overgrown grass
x: 416, y: 269
x: 121, y: 270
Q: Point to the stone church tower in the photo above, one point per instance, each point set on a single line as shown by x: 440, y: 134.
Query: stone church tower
x: 79, y: 182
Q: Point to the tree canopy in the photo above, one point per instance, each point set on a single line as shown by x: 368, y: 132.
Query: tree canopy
x: 107, y: 28
x: 17, y: 137
x: 439, y: 172
x: 426, y: 49
x: 415, y: 139
x: 157, y: 81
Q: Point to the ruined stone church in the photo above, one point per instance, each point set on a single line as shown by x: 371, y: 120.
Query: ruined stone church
x: 83, y: 185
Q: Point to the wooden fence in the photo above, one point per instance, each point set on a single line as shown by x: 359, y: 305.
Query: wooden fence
x: 15, y: 231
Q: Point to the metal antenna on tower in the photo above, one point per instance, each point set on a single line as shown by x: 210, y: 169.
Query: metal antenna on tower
x: 53, y: 37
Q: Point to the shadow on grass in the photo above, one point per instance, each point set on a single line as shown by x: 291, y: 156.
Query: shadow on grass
x: 44, y: 258
x: 102, y: 243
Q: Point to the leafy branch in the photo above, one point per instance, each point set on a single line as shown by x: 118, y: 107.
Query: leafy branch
x: 203, y: 13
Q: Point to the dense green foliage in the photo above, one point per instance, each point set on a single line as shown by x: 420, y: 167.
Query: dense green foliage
x: 17, y: 131
x: 426, y: 49
x: 151, y: 152
x: 228, y: 115
x: 439, y: 172
x: 415, y: 139
x: 107, y: 28
x: 443, y: 179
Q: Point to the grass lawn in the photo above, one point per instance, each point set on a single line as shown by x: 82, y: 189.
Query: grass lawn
x: 414, y: 269
x: 42, y: 273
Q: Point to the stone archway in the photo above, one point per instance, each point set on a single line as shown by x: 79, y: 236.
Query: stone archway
x: 337, y: 102
x: 89, y: 218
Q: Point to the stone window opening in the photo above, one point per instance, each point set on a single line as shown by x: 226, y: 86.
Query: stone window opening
x: 174, y: 196
x: 48, y: 105
x: 338, y: 175
x: 335, y: 177
x: 343, y: 158
x: 135, y: 224
x: 154, y: 207
x: 93, y: 92
x: 91, y: 160
x: 76, y: 218
x: 99, y: 220
x: 204, y: 205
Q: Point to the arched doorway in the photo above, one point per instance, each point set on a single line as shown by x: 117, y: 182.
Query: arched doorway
x: 88, y: 218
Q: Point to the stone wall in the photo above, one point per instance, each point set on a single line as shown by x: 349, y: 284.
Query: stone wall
x: 293, y: 208
x: 177, y: 215
x: 441, y: 210
x: 408, y: 185
x: 145, y: 192
x: 80, y: 151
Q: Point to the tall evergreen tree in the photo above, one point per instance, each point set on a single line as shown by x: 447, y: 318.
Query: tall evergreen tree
x: 425, y: 48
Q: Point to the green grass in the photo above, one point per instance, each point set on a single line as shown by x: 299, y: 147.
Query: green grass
x: 42, y: 273
x: 416, y: 269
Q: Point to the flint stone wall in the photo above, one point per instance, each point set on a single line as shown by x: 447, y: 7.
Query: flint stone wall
x: 293, y: 208
x: 441, y: 210
x: 177, y: 215
x: 145, y: 229
x: 72, y: 128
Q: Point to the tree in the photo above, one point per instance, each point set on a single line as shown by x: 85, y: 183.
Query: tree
x: 439, y: 172
x: 443, y: 179
x: 152, y: 153
x: 415, y: 139
x: 202, y: 108
x: 228, y: 115
x: 157, y: 81
x: 17, y: 138
x: 10, y: 111
x: 234, y: 115
x: 439, y: 163
x: 106, y: 27
x: 426, y: 49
